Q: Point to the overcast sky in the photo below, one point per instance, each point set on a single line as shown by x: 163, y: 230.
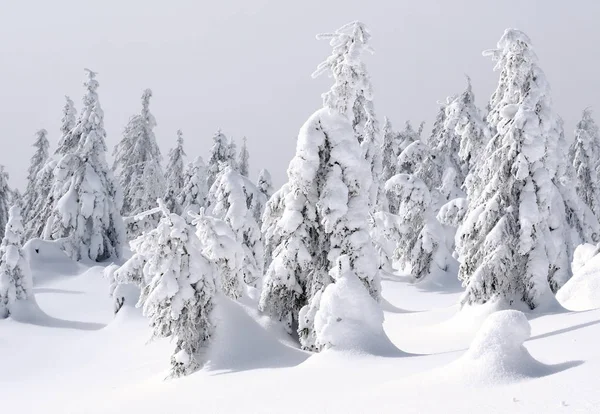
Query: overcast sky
x: 244, y: 65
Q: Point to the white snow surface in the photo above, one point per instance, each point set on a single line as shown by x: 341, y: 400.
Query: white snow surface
x: 582, y: 291
x: 65, y: 352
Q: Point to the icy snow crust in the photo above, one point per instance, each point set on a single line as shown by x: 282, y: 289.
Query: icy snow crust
x: 85, y: 359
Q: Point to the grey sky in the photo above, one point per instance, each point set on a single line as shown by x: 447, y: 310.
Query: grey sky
x: 245, y: 65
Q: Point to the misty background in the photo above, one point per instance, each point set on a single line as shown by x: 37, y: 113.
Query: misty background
x: 244, y: 65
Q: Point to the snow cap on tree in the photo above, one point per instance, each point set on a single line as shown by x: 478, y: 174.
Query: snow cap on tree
x: 220, y: 157
x: 194, y: 192
x: 265, y: 183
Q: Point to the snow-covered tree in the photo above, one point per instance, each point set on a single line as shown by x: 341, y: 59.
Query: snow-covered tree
x: 420, y: 241
x: 325, y: 209
x: 15, y: 199
x: 515, y: 228
x: 174, y: 177
x: 352, y: 93
x: 272, y: 232
x: 408, y: 136
x: 138, y: 168
x: 4, y: 199
x: 220, y: 157
x: 264, y: 183
x: 389, y: 151
x: 42, y: 206
x: 178, y: 289
x: 194, y: 192
x: 220, y: 245
x: 465, y: 119
x: 234, y: 199
x: 39, y: 159
x: 584, y: 157
x: 243, y: 159
x: 85, y: 216
x: 15, y: 276
x: 67, y: 142
x: 419, y: 160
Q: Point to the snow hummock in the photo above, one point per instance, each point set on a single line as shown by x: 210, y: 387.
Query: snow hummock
x: 582, y: 291
x: 497, y: 354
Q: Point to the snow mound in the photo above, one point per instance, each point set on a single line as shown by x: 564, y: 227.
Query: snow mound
x: 582, y: 291
x: 48, y: 261
x: 583, y: 253
x: 349, y: 319
x: 497, y: 354
x: 241, y: 343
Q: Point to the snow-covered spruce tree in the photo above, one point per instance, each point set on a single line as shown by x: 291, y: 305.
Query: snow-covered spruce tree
x: 67, y: 142
x: 270, y: 229
x: 389, y: 151
x: 220, y: 245
x: 220, y: 157
x: 15, y: 199
x: 510, y: 241
x: 43, y: 204
x: 584, y: 157
x: 178, y: 290
x: 419, y: 160
x: 85, y: 216
x: 408, y: 136
x: 352, y: 93
x: 420, y: 242
x: 265, y: 183
x: 174, y: 176
x: 15, y: 277
x: 320, y: 214
x: 4, y: 199
x: 138, y: 168
x: 234, y: 199
x: 243, y: 159
x: 37, y: 163
x: 194, y: 192
x: 465, y: 119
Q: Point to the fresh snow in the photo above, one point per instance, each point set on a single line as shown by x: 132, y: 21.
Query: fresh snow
x: 85, y: 359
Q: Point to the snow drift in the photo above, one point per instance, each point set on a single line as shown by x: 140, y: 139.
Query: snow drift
x: 582, y: 291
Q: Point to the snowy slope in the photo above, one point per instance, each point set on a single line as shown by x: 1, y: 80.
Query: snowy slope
x: 73, y: 356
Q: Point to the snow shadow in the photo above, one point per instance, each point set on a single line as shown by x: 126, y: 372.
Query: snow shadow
x: 28, y: 312
x: 41, y: 290
x: 565, y: 330
x: 242, y: 344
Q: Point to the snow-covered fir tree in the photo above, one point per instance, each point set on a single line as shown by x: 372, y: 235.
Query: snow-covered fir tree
x: 584, y: 157
x: 419, y: 160
x: 390, y: 150
x: 15, y: 277
x: 174, y: 177
x: 243, y: 159
x: 272, y: 232
x: 220, y: 157
x: 220, y: 245
x: 420, y: 238
x: 235, y: 199
x: 37, y: 163
x: 4, y: 199
x: 465, y: 119
x: 85, y: 215
x: 138, y: 168
x: 408, y: 136
x: 178, y: 290
x: 43, y: 205
x: 15, y: 199
x: 194, y: 192
x: 352, y: 93
x: 265, y: 183
x: 67, y: 142
x: 325, y: 214
x: 515, y: 229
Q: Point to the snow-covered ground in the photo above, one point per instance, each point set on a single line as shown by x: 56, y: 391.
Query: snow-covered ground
x: 73, y: 356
